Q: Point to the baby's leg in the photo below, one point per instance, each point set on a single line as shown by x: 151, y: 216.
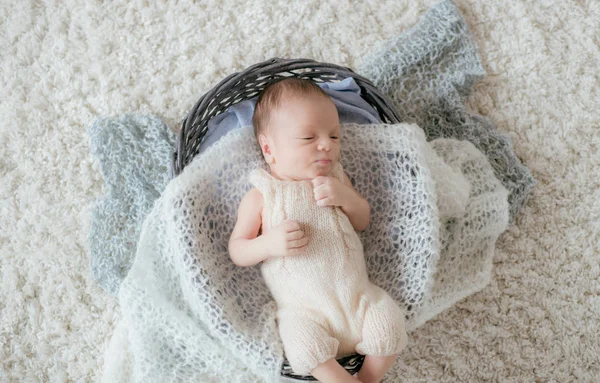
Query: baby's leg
x: 383, y: 331
x: 332, y: 372
x: 375, y: 367
x: 384, y: 336
x: 306, y: 339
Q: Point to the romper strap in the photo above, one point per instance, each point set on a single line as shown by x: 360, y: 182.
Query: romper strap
x: 260, y: 179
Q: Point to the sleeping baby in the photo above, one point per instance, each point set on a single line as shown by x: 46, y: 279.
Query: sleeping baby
x: 300, y: 221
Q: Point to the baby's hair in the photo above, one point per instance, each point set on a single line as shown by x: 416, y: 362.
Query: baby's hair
x: 270, y: 98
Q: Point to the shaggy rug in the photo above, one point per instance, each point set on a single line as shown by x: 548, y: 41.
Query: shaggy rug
x: 63, y: 64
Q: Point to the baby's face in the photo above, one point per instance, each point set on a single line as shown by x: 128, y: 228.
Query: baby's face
x: 304, y: 138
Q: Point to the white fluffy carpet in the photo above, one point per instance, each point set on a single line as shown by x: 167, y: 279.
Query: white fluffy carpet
x: 64, y: 63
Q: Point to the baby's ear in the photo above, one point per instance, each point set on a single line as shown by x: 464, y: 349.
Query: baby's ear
x: 263, y: 141
x: 265, y: 146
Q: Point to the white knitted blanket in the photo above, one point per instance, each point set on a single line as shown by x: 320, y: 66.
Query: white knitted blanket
x: 190, y: 314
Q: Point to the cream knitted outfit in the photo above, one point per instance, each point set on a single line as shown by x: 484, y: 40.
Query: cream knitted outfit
x: 326, y: 306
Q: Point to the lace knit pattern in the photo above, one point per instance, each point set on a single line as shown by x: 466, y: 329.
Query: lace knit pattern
x: 134, y: 154
x: 188, y: 308
x: 428, y: 72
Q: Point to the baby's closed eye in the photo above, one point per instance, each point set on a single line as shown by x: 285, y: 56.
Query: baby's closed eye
x: 312, y: 138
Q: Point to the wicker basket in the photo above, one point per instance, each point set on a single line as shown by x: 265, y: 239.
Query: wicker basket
x: 249, y: 83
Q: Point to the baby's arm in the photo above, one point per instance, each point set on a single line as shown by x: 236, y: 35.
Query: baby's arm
x: 357, y: 210
x: 246, y: 248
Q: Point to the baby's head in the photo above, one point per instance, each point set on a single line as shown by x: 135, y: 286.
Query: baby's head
x: 297, y: 127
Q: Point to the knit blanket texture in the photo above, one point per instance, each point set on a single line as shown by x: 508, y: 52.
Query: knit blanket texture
x: 427, y: 71
x: 190, y: 314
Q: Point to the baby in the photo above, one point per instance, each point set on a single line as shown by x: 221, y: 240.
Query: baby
x: 299, y: 220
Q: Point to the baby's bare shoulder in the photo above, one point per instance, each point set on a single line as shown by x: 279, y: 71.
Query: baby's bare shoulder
x: 253, y: 198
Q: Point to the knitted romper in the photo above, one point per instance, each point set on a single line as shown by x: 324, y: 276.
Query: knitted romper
x: 326, y: 306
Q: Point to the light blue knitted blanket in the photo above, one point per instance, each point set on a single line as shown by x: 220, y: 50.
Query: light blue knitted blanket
x: 134, y: 154
x: 427, y: 71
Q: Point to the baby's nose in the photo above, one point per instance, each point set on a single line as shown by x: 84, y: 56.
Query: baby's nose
x: 324, y: 145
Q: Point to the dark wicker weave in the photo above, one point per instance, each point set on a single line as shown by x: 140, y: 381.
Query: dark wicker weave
x: 248, y: 84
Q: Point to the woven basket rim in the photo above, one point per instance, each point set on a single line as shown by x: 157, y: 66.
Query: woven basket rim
x: 194, y: 125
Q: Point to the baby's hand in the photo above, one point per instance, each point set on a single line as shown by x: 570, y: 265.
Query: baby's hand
x: 286, y: 239
x: 330, y: 191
